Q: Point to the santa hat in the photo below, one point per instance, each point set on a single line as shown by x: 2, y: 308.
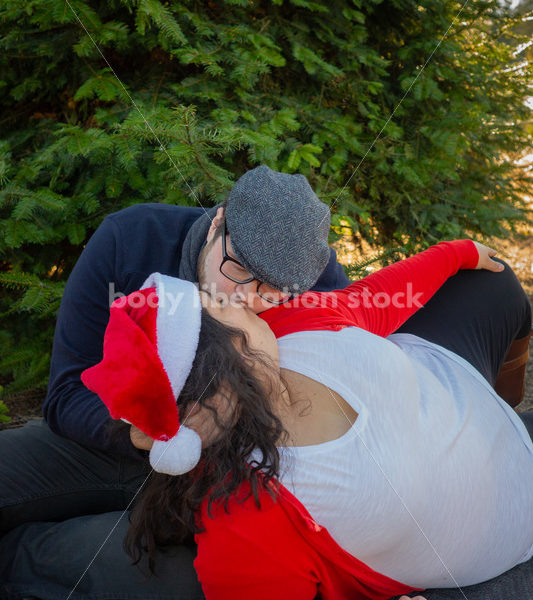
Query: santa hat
x: 149, y: 347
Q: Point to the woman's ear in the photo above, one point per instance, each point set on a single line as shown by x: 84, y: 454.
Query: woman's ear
x: 216, y: 222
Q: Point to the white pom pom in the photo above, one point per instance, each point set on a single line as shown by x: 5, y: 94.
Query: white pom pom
x: 179, y: 455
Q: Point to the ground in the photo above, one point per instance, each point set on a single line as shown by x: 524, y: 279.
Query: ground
x: 516, y: 251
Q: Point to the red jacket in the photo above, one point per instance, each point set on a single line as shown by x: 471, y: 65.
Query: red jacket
x: 278, y: 551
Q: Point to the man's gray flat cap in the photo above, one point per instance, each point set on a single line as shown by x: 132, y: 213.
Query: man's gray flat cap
x: 278, y: 228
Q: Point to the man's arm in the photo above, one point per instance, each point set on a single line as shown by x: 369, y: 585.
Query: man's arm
x: 70, y: 409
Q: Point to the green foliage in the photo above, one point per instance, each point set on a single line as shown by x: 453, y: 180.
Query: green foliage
x: 358, y: 269
x: 110, y: 103
x: 30, y: 312
x: 3, y: 412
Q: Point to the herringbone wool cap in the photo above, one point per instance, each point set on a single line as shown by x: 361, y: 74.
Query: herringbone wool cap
x: 278, y: 228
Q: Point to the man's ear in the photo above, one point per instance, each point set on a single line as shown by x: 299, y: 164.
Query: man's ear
x: 217, y: 220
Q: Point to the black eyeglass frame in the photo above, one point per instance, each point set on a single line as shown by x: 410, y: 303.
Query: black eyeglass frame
x: 227, y: 258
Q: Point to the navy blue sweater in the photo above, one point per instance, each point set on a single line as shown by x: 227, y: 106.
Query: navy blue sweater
x: 128, y: 246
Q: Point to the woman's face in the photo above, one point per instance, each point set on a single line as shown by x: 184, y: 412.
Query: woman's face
x: 240, y: 316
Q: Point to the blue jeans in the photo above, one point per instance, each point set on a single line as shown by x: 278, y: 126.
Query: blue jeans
x: 60, y: 502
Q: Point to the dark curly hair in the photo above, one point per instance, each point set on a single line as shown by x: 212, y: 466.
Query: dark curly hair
x: 166, y: 513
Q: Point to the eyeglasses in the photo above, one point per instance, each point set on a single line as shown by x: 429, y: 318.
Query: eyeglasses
x: 234, y: 271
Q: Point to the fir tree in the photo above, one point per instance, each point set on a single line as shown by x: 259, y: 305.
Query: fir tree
x: 110, y: 103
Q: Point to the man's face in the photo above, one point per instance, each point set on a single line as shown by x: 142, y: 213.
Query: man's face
x: 214, y: 282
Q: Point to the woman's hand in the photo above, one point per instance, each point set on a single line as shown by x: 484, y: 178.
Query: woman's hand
x: 199, y: 418
x: 139, y: 439
x: 485, y: 260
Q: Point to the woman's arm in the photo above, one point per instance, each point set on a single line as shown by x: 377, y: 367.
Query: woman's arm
x: 382, y: 301
x: 250, y: 553
x: 277, y: 550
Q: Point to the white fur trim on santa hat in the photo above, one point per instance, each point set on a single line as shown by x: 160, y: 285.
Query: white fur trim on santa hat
x: 178, y: 326
x: 179, y: 455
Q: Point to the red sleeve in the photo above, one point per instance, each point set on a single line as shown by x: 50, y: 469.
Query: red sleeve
x: 383, y: 301
x: 380, y: 302
x: 279, y: 551
x: 253, y: 554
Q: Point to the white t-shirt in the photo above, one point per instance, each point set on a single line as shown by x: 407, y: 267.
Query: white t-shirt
x: 433, y: 484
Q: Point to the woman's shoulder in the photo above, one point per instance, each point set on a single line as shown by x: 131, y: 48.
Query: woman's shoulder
x: 317, y: 413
